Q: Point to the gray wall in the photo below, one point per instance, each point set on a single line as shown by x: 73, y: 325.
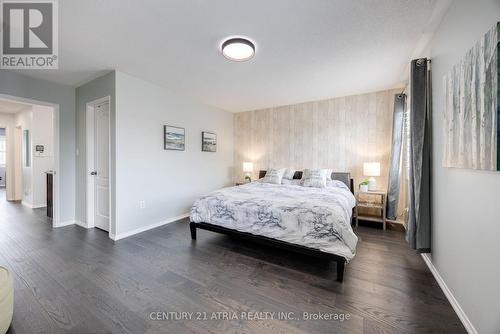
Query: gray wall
x: 169, y: 181
x: 466, y: 229
x: 91, y: 91
x: 21, y: 86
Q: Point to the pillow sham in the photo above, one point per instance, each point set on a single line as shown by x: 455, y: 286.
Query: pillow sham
x: 314, y: 178
x: 289, y: 173
x: 273, y: 176
x: 328, y: 173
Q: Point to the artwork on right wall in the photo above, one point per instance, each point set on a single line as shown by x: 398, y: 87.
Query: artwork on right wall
x: 471, y: 107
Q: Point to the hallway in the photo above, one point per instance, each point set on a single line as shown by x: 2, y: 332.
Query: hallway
x: 12, y: 212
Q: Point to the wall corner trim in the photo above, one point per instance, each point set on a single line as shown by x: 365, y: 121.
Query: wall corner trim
x: 119, y: 236
x: 447, y: 292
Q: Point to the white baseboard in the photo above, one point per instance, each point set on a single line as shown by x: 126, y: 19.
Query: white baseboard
x: 82, y: 224
x: 26, y: 204
x: 65, y: 223
x: 447, y: 292
x: 147, y: 227
x: 34, y: 206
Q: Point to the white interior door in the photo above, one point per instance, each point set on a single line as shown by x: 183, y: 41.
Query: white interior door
x: 101, y: 166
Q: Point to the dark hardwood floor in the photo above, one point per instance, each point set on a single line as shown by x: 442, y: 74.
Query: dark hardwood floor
x: 72, y: 280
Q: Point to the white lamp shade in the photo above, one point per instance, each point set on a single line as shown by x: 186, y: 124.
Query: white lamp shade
x: 371, y: 168
x: 248, y: 167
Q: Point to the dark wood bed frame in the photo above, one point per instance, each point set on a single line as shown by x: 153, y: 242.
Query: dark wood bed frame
x: 340, y: 260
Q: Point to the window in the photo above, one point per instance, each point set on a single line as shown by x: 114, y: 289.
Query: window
x: 3, y: 147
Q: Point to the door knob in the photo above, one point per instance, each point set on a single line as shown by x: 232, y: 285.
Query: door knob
x: 93, y: 173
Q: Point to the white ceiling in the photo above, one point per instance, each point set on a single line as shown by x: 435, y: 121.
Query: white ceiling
x: 10, y: 107
x: 306, y: 49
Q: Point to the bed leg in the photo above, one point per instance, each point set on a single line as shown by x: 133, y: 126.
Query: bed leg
x: 340, y: 271
x: 192, y: 227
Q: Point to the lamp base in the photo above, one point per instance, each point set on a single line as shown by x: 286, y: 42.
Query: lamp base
x: 372, y: 184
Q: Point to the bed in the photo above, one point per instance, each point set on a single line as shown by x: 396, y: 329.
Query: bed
x: 312, y: 221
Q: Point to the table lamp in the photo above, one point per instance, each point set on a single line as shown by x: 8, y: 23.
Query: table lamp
x: 371, y: 169
x: 248, y: 170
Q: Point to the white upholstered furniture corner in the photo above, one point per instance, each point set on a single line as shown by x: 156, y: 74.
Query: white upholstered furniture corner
x: 6, y: 299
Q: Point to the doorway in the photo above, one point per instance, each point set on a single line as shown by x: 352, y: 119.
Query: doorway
x: 98, y: 164
x: 31, y: 150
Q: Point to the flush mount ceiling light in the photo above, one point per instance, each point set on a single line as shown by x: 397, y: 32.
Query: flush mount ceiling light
x: 238, y: 49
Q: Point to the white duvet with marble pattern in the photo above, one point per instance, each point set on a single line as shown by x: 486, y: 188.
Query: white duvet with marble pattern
x: 318, y: 218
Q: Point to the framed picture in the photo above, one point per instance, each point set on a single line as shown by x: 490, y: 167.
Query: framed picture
x: 208, y: 142
x: 174, y: 138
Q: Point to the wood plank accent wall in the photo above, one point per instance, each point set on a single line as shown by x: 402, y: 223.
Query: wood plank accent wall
x: 339, y: 133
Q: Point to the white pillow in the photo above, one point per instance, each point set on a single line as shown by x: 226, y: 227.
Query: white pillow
x: 328, y: 173
x: 289, y: 173
x: 273, y: 176
x: 314, y: 178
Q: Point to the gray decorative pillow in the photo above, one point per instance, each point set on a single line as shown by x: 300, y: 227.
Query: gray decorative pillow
x: 289, y: 173
x: 314, y: 178
x: 273, y: 176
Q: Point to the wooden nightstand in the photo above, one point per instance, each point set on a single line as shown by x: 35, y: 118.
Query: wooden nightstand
x: 373, y: 201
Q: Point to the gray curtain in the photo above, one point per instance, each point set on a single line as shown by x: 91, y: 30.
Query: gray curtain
x: 395, y: 164
x: 418, y: 233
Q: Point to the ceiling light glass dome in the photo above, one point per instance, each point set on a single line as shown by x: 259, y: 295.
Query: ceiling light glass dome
x: 238, y: 49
